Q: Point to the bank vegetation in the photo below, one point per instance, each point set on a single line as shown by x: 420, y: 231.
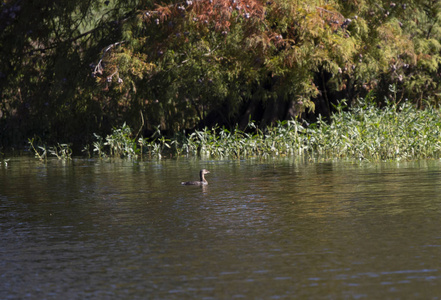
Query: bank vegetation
x: 362, y: 132
x: 73, y: 73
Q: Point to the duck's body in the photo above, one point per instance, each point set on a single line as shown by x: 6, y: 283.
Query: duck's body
x: 202, y: 180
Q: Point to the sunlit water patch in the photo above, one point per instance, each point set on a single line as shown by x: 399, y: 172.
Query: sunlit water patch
x: 259, y: 230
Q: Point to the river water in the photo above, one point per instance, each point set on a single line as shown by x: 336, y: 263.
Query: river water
x: 272, y: 229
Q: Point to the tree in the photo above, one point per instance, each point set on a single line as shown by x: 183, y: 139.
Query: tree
x: 46, y: 48
x: 72, y: 68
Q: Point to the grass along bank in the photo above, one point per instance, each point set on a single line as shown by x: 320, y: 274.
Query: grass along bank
x: 364, y: 132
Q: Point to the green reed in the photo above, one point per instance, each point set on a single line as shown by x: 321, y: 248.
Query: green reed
x: 41, y: 150
x: 392, y: 133
x: 363, y: 132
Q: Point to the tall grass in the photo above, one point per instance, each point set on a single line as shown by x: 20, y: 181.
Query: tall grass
x: 395, y: 132
x: 364, y: 132
x: 391, y: 133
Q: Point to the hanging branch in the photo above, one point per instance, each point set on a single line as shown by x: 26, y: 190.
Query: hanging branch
x: 99, y: 67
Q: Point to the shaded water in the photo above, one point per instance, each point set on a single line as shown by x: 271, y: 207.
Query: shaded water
x: 259, y: 230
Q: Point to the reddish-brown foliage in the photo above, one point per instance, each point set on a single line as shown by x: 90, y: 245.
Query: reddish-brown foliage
x: 216, y: 13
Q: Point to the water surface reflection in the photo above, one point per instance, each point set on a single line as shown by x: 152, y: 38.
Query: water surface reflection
x: 272, y: 229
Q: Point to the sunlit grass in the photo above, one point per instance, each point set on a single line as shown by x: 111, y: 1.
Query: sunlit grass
x: 390, y: 133
x: 362, y: 132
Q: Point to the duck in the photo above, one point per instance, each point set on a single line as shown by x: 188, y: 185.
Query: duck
x: 202, y: 180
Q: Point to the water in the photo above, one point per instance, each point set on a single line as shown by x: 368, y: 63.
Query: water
x: 259, y: 230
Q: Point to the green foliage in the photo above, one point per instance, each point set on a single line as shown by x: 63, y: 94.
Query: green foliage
x: 61, y: 151
x: 69, y: 69
x: 41, y: 150
x: 393, y: 133
x: 121, y: 143
x: 363, y: 132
